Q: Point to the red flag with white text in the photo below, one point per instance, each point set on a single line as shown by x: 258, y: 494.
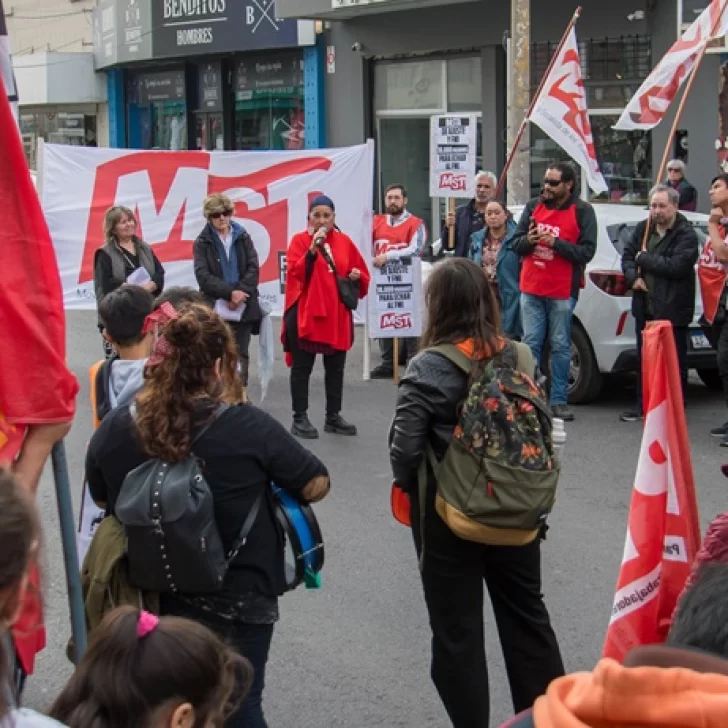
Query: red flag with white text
x: 647, y: 108
x: 562, y: 112
x: 663, y: 532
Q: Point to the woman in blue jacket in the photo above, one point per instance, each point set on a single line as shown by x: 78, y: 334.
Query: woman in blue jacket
x: 492, y: 249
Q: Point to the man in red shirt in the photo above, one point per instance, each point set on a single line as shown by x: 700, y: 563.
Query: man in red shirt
x: 556, y: 237
x: 396, y: 235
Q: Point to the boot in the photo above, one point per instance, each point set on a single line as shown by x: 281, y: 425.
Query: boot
x: 303, y: 428
x: 338, y: 425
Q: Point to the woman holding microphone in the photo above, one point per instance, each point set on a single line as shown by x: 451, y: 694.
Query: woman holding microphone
x: 326, y: 276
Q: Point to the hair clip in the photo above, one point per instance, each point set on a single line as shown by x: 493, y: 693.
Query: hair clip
x: 147, y: 624
x: 163, y: 315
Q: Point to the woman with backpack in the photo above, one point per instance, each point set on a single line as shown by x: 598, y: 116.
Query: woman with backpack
x: 141, y: 670
x: 241, y: 452
x: 463, y: 323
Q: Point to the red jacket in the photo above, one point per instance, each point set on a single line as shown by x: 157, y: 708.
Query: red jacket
x: 322, y: 317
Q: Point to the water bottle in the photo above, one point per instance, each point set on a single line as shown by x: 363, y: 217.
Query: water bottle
x: 558, y: 438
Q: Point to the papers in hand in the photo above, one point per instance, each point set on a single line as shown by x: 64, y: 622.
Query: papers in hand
x: 139, y: 277
x: 226, y: 313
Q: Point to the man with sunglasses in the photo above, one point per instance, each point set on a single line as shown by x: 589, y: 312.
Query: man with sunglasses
x: 226, y: 268
x: 556, y: 237
x: 469, y: 218
x: 676, y: 179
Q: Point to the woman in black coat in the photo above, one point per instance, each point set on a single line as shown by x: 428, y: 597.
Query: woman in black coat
x: 226, y: 268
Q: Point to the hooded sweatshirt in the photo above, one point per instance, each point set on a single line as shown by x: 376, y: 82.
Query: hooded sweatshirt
x: 125, y: 380
x: 661, y: 687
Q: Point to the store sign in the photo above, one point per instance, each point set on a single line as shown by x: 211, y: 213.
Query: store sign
x: 395, y: 300
x: 272, y: 191
x: 192, y: 27
x: 151, y: 88
x: 210, y: 87
x: 122, y: 32
x: 453, y: 154
x: 268, y: 76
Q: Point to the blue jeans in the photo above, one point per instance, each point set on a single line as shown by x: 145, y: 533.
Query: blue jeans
x: 552, y: 316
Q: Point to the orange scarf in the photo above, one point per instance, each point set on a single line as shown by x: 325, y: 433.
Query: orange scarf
x: 483, y: 350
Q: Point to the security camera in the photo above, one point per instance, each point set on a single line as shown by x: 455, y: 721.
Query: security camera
x: 356, y: 47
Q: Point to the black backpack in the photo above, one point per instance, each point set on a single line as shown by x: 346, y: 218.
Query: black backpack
x: 168, y: 515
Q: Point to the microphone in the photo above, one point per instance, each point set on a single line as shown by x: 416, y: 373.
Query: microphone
x: 321, y: 233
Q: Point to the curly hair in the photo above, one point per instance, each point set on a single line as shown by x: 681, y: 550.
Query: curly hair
x: 124, y: 679
x: 182, y: 385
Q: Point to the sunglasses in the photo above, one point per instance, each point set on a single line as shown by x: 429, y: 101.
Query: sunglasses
x: 218, y: 215
x: 673, y: 169
x: 553, y: 182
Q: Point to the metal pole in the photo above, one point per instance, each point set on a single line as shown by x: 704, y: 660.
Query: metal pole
x: 520, y: 107
x: 70, y: 554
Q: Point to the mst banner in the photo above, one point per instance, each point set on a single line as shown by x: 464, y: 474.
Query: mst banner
x: 271, y: 191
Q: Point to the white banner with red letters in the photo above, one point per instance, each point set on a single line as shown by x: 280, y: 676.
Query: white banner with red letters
x: 562, y: 112
x: 271, y: 190
x: 648, y: 106
x: 395, y: 299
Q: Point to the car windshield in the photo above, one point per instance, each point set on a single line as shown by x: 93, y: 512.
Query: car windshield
x: 621, y: 233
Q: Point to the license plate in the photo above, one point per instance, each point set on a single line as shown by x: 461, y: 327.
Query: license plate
x: 699, y: 340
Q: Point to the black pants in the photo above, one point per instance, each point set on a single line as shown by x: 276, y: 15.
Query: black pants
x: 408, y: 346
x: 718, y: 335
x: 453, y: 572
x: 243, y: 332
x: 680, y: 334
x: 303, y: 361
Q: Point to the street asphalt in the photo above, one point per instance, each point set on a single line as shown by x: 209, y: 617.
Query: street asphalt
x: 355, y: 653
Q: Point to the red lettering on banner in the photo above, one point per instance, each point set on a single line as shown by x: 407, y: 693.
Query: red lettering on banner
x: 455, y: 182
x: 395, y: 321
x: 177, y: 185
x: 577, y: 114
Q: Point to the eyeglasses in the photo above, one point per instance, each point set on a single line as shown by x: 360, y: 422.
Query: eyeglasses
x: 674, y: 169
x: 218, y: 215
x: 553, y: 182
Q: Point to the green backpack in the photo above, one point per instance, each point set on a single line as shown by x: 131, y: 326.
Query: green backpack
x: 497, y: 482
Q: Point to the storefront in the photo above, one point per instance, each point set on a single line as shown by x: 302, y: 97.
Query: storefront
x: 227, y: 76
x: 397, y: 65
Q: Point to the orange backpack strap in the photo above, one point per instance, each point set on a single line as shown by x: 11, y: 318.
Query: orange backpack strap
x: 93, y: 374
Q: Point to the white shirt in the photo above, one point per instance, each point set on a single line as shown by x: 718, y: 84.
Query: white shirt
x: 227, y: 241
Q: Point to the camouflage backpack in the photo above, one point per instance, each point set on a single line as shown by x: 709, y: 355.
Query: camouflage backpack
x: 497, y: 482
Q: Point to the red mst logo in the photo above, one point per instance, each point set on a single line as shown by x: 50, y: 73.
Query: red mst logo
x: 169, y: 189
x: 395, y: 321
x: 450, y: 181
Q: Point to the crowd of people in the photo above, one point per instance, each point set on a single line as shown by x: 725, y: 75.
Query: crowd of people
x: 172, y: 390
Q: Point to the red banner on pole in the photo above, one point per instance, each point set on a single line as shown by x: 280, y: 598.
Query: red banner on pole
x: 663, y: 533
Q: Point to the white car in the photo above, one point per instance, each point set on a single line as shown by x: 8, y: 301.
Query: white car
x: 603, y: 334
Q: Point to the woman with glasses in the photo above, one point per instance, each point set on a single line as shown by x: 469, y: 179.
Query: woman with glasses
x: 226, y: 268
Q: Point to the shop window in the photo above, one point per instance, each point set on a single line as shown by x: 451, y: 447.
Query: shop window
x: 625, y: 159
x: 62, y: 127
x: 465, y: 84
x: 269, y: 102
x: 408, y: 86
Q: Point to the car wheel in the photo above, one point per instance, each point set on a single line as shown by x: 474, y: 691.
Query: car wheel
x: 710, y: 378
x: 585, y: 379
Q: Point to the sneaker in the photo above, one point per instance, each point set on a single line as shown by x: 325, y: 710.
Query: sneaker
x: 338, y: 425
x: 382, y: 372
x: 721, y: 431
x: 631, y: 416
x: 303, y: 428
x: 724, y: 441
x: 563, y: 412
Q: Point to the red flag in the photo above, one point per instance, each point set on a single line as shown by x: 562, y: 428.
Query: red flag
x: 36, y: 387
x: 663, y: 533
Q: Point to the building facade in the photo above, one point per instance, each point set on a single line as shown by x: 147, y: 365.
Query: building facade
x: 62, y: 98
x: 391, y: 64
x: 210, y: 74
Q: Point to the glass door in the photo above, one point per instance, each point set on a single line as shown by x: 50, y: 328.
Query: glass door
x: 404, y: 158
x: 209, y: 132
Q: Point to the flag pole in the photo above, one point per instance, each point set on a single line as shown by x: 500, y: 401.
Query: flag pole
x: 524, y: 123
x: 70, y: 553
x: 679, y: 112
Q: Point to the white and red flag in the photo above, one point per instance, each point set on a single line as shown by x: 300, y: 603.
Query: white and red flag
x: 649, y: 105
x: 561, y: 111
x: 663, y: 532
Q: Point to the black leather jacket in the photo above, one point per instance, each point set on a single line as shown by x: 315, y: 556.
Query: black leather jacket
x: 428, y: 405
